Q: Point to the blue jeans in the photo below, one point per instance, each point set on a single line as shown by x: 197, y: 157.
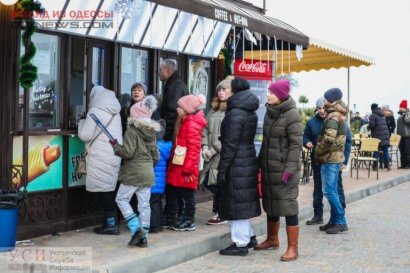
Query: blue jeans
x: 330, y: 178
x: 386, y: 156
x: 318, y: 194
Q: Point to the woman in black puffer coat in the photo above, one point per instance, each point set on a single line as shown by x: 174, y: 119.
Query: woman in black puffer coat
x: 238, y: 168
x: 379, y: 129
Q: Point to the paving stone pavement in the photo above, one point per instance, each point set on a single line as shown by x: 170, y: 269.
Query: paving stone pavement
x: 110, y: 254
x: 378, y: 240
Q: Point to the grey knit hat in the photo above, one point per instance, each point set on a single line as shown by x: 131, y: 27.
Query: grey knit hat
x: 320, y: 103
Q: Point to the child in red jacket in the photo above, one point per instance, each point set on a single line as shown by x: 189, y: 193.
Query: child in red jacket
x: 183, y: 169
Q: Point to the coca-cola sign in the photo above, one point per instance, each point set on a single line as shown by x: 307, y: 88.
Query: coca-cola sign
x: 255, y: 68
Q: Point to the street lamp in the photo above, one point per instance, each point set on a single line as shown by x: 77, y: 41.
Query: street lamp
x: 8, y: 2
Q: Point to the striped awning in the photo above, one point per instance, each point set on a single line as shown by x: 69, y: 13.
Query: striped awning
x: 195, y: 27
x: 319, y: 55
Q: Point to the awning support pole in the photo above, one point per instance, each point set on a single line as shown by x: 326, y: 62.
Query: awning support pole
x: 348, y: 95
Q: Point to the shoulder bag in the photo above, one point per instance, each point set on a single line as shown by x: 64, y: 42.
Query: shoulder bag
x: 82, y: 164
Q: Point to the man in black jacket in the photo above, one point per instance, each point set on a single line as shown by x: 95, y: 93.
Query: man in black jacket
x: 174, y: 89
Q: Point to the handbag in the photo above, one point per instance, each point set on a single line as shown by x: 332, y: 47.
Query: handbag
x: 179, y: 155
x: 82, y: 164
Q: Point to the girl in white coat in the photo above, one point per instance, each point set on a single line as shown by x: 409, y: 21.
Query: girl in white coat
x: 102, y: 164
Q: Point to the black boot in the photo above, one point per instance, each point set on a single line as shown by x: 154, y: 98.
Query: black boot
x: 110, y: 227
x: 234, y: 250
x: 315, y: 221
x: 135, y: 239
x: 252, y: 242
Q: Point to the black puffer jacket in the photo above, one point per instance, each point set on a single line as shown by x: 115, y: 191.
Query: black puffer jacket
x: 174, y: 89
x: 238, y: 196
x: 378, y: 127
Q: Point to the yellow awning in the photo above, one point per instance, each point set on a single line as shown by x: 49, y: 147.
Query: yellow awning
x: 319, y: 55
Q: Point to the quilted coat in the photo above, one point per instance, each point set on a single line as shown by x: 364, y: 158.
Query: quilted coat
x: 238, y: 195
x: 189, y: 136
x: 160, y: 169
x: 102, y: 164
x: 281, y: 152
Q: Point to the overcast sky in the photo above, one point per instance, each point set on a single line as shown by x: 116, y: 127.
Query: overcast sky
x: 378, y: 29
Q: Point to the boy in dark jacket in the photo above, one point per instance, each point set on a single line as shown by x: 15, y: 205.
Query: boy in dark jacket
x: 140, y: 153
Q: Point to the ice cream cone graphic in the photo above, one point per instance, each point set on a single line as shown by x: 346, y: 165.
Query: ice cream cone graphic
x: 39, y: 160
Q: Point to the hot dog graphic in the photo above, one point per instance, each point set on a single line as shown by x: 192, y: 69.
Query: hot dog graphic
x: 39, y: 160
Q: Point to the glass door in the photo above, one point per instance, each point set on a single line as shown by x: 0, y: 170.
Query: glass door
x: 98, y: 65
x: 177, y: 60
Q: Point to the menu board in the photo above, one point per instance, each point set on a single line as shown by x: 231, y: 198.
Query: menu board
x: 259, y: 88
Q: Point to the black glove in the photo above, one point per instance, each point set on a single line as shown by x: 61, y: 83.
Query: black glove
x: 220, y: 178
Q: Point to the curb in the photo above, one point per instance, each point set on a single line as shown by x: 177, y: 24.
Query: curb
x: 220, y: 239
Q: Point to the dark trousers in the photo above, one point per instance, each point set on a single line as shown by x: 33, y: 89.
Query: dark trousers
x: 157, y: 211
x: 215, y: 190
x: 404, y: 147
x: 318, y: 194
x: 108, y: 204
x: 187, y: 196
x: 290, y: 220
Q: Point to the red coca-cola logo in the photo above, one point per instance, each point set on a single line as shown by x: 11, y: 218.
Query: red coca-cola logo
x: 256, y: 67
x: 253, y: 69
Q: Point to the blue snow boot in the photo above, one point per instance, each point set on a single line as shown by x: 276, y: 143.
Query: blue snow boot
x: 136, y: 231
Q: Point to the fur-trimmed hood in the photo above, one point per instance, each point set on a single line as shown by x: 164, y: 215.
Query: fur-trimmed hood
x: 217, y: 104
x: 146, y: 129
x: 337, y: 108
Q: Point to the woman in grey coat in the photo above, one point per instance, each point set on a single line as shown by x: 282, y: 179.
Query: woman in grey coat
x: 211, y: 145
x: 279, y: 160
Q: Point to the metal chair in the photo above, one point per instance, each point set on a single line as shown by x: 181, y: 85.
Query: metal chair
x: 367, y: 147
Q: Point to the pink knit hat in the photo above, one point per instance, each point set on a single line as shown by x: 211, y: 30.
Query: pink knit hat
x: 144, y: 108
x: 280, y: 89
x: 192, y: 103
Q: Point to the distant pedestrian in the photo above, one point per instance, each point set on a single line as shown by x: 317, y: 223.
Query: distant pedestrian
x: 280, y: 164
x: 379, y: 130
x: 183, y: 169
x: 211, y: 145
x: 140, y: 153
x: 403, y: 129
x: 391, y: 122
x: 238, y: 199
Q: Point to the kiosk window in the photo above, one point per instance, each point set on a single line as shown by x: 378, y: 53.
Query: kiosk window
x: 134, y: 68
x: 45, y: 94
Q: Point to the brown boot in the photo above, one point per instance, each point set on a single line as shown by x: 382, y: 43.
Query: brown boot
x: 272, y: 239
x: 291, y: 253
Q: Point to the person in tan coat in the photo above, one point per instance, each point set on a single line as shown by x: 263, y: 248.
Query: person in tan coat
x: 211, y: 145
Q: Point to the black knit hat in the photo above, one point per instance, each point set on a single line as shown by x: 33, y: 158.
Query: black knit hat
x: 239, y: 84
x: 374, y: 106
x: 333, y: 94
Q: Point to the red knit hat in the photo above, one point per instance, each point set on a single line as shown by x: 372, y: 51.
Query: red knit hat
x: 403, y: 104
x: 192, y: 103
x: 280, y: 89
